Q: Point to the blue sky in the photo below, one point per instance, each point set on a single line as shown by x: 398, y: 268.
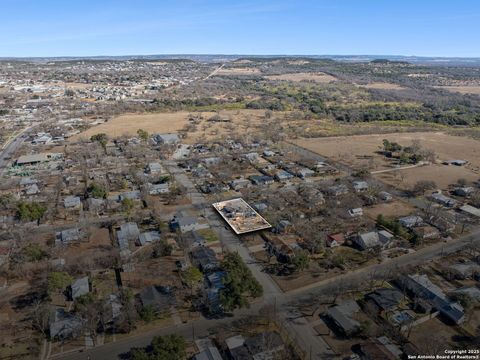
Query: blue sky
x: 339, y: 27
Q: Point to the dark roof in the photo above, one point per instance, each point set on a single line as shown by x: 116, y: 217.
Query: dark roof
x: 204, y: 257
x: 386, y: 299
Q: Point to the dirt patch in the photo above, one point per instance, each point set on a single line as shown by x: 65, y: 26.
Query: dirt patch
x: 244, y: 120
x: 128, y: 124
x: 361, y: 151
x: 238, y: 71
x: 391, y: 209
x: 383, y: 86
x: 296, y: 77
x: 461, y: 89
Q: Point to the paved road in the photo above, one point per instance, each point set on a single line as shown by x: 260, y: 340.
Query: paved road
x: 11, y: 147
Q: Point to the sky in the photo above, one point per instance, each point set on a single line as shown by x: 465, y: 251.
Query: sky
x: 50, y: 28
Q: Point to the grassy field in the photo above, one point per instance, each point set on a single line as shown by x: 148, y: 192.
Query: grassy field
x: 316, y: 77
x: 244, y: 120
x: 361, y: 152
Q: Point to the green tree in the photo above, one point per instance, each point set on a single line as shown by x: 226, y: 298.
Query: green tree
x: 58, y: 280
x: 148, y: 313
x: 96, y: 191
x: 127, y: 206
x: 142, y: 134
x: 239, y: 283
x: 33, y: 252
x: 101, y: 138
x: 162, y: 248
x: 192, y: 276
x: 169, y: 347
x: 30, y: 211
x: 301, y: 260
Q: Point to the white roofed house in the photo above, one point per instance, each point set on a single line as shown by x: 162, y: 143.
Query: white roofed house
x: 157, y: 189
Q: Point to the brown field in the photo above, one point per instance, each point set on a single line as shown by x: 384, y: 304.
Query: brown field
x: 128, y: 124
x: 442, y: 175
x: 244, y: 120
x: 462, y: 89
x: 382, y: 86
x: 296, y: 77
x: 238, y: 71
x: 360, y: 151
x: 394, y: 208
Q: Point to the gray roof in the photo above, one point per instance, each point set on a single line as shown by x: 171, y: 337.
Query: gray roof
x: 210, y: 353
x: 342, y: 316
x: 127, y: 232
x: 71, y: 201
x: 411, y: 221
x: 422, y: 287
x: 148, y: 237
x: 80, y: 287
x: 64, y: 325
x: 69, y: 235
x: 386, y: 298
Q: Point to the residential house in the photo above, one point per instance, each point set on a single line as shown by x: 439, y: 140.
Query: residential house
x: 373, y: 239
x: 411, y: 221
x: 421, y: 287
x: 209, y: 353
x: 282, y: 175
x: 204, y: 258
x: 464, y: 270
x: 261, y: 179
x: 64, y: 325
x: 252, y: 157
x: 386, y: 299
x: 155, y: 168
x: 79, y: 288
x: 471, y: 210
x: 68, y: 236
x: 337, y: 190
x: 148, y: 237
x: 334, y: 240
x: 305, y: 172
x: 166, y: 139
x: 341, y: 316
x: 158, y: 189
x: 212, y: 292
x: 128, y: 232
x: 426, y: 232
x: 360, y: 186
x: 72, y: 202
x: 464, y: 191
x: 443, y: 200
x: 385, y: 196
x: 357, y: 212
x: 239, y: 184
x: 130, y: 195
x: 184, y: 223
